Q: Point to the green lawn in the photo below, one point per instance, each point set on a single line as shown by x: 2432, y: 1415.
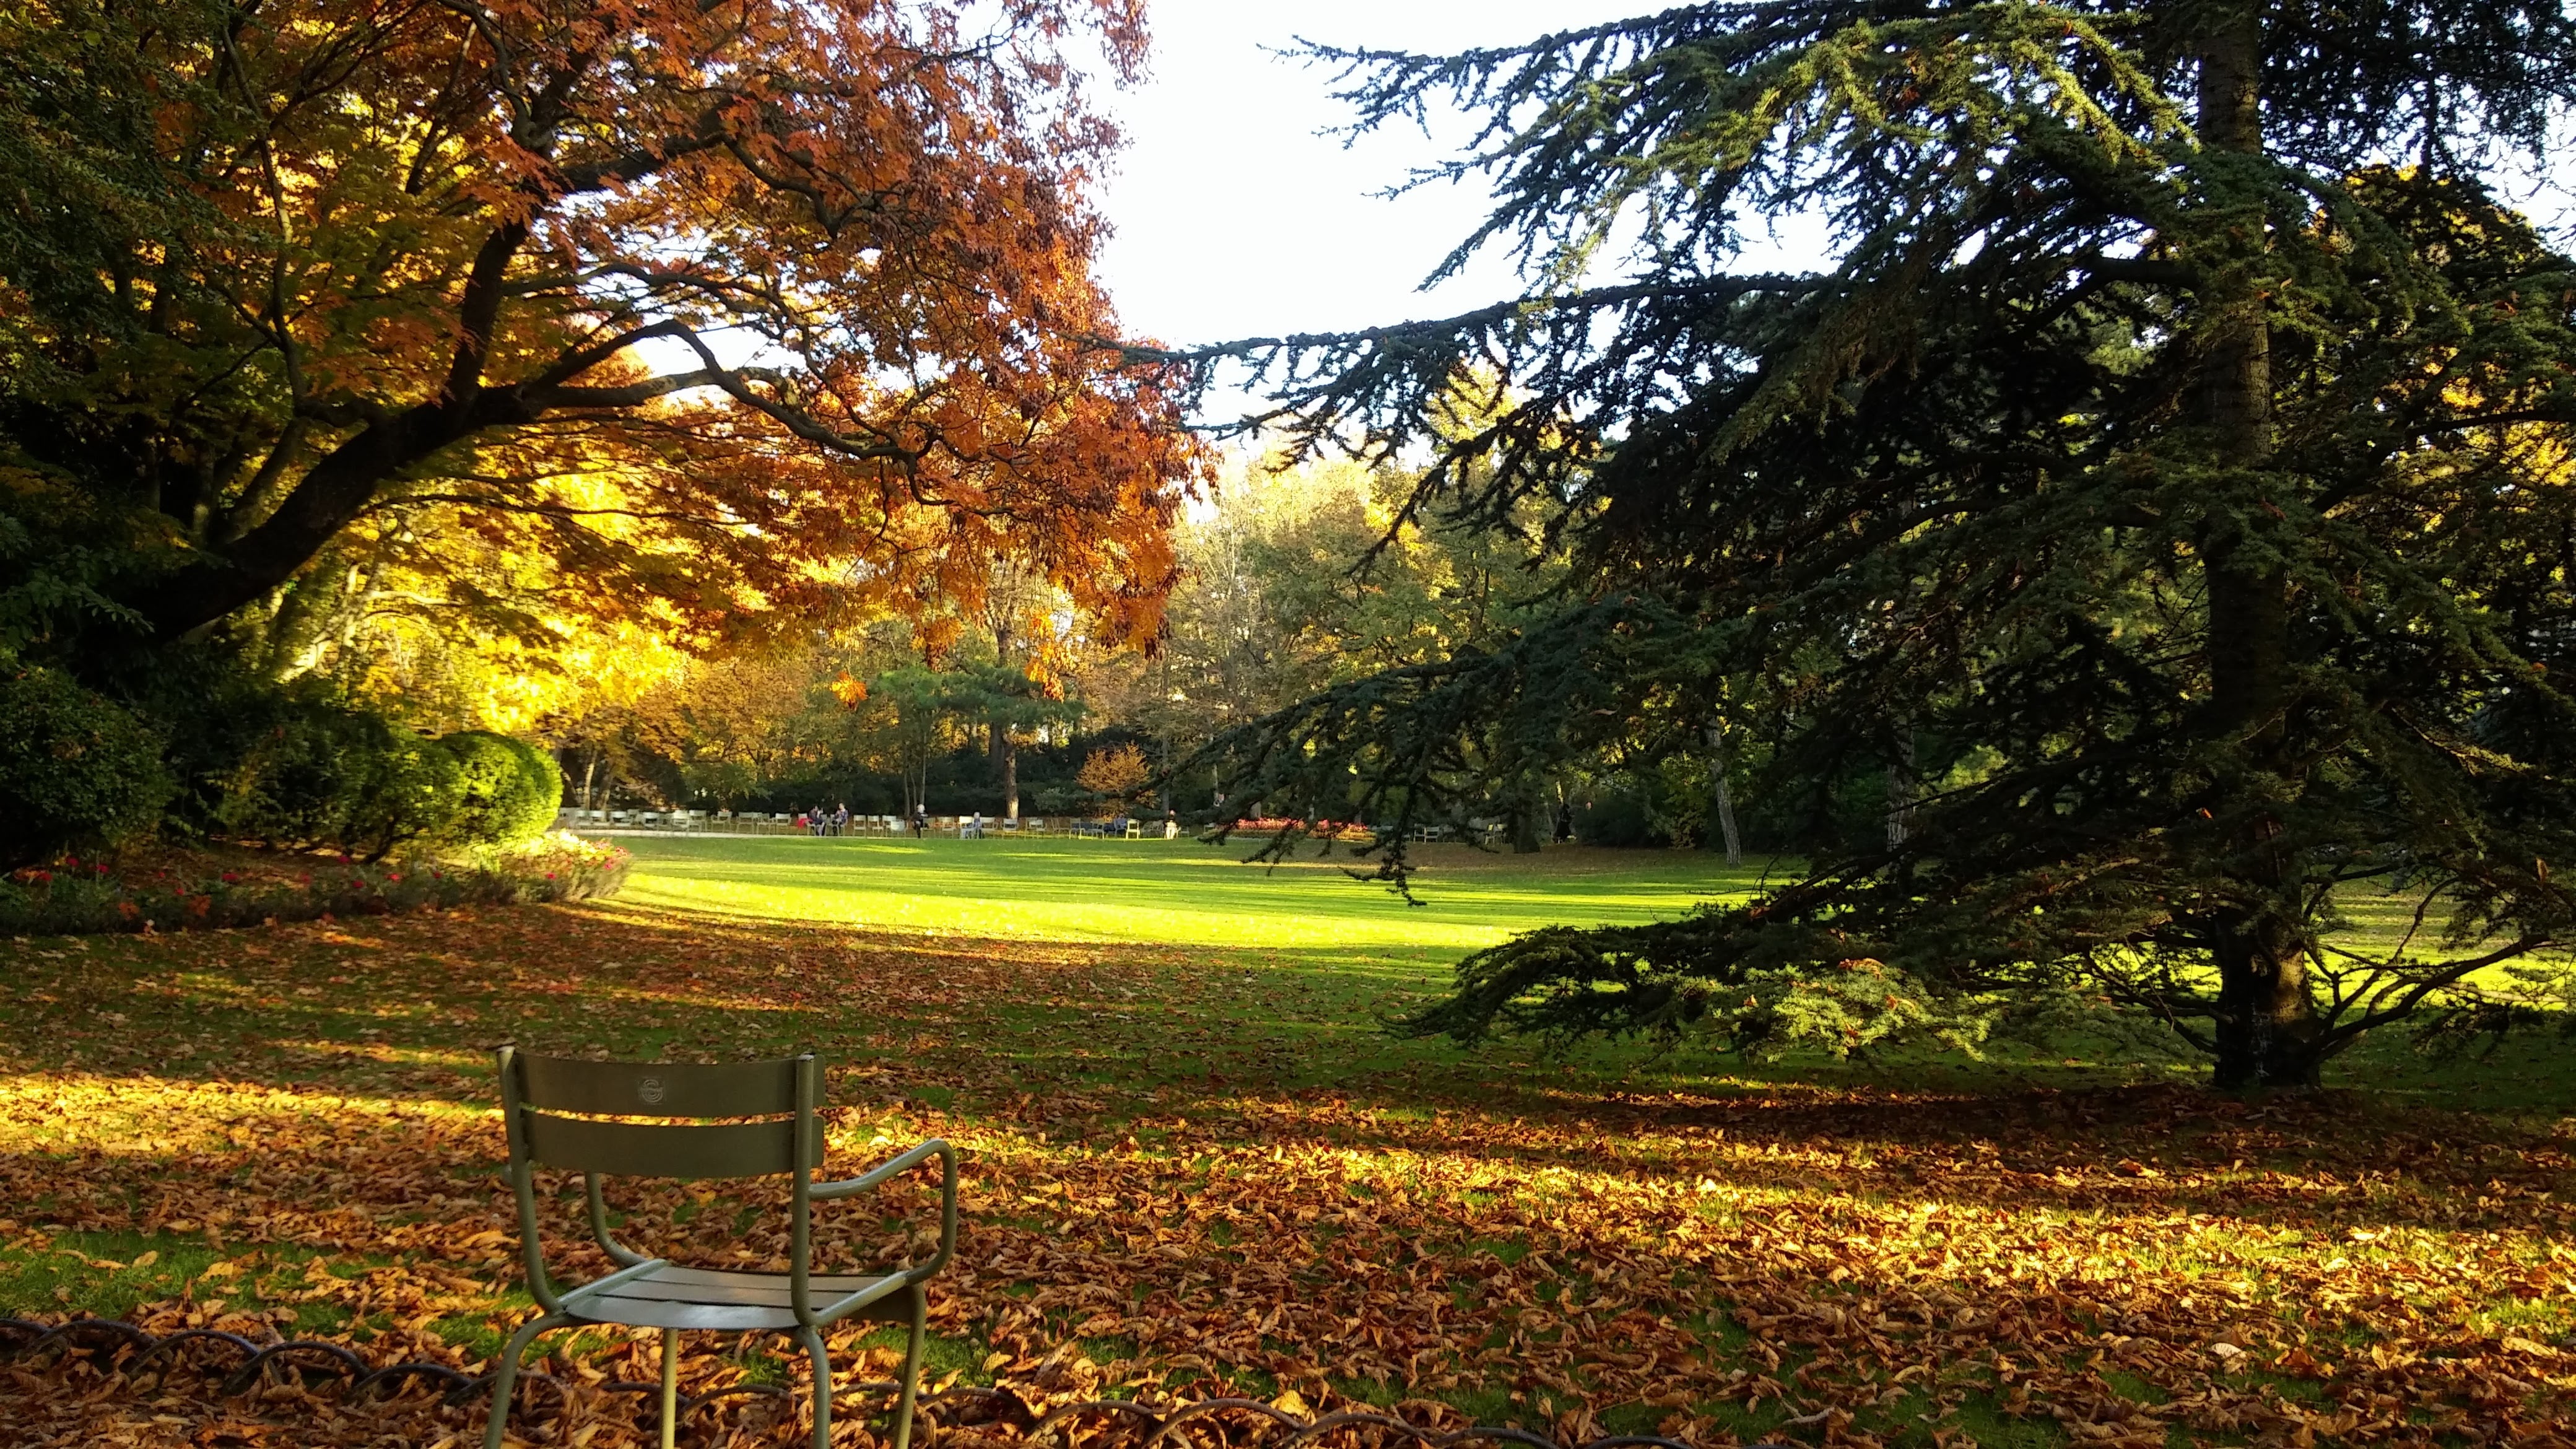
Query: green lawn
x: 1366, y: 949
x: 1166, y: 893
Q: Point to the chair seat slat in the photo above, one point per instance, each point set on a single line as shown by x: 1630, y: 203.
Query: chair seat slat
x: 767, y: 1290
x: 679, y: 1273
x: 655, y: 1313
x: 670, y: 1296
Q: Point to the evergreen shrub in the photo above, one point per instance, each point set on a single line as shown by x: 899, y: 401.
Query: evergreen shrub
x: 325, y: 774
x: 508, y: 791
x: 76, y: 770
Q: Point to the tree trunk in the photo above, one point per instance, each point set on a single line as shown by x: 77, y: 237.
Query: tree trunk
x: 1010, y: 780
x: 2267, y: 1032
x: 1722, y: 793
x: 1900, y: 789
x: 1529, y: 811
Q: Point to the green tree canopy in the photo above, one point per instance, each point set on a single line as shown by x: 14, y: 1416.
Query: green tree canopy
x: 2172, y: 472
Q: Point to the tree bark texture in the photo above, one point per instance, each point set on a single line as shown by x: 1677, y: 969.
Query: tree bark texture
x: 1900, y: 789
x: 1529, y: 820
x: 2267, y: 1033
x: 1722, y: 793
x: 2266, y: 1029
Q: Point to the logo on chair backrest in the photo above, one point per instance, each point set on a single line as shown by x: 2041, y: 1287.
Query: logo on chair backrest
x: 650, y: 1089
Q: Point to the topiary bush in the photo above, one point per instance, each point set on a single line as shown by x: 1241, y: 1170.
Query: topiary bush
x: 290, y: 784
x: 509, y: 789
x: 76, y: 771
x: 329, y: 775
x: 301, y: 766
x: 407, y: 789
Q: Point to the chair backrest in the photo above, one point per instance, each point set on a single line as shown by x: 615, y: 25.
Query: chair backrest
x: 554, y: 1104
x: 555, y: 1110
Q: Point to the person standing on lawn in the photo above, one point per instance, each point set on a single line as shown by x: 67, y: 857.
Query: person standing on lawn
x: 920, y: 820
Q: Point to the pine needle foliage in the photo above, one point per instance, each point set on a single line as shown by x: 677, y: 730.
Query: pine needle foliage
x: 2176, y: 458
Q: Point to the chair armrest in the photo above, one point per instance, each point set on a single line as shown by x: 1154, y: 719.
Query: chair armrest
x: 935, y: 1147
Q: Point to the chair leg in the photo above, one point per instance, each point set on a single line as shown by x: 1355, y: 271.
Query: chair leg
x: 814, y: 1349
x: 506, y: 1375
x: 670, y: 1387
x: 911, y: 1371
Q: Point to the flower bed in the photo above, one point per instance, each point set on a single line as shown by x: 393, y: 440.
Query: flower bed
x: 82, y: 897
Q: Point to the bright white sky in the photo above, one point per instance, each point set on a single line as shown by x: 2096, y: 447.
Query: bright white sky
x: 1235, y: 218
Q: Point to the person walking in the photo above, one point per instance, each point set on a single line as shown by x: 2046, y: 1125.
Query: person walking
x: 920, y: 820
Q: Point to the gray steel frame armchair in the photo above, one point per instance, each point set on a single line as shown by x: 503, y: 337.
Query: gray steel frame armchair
x: 551, y: 1106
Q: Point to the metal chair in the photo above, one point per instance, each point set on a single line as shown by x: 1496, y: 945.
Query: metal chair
x: 552, y: 1108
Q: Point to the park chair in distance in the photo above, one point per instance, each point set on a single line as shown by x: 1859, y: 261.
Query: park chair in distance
x: 551, y: 1108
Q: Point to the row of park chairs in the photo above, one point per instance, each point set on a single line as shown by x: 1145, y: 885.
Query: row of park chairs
x: 759, y: 823
x: 752, y: 822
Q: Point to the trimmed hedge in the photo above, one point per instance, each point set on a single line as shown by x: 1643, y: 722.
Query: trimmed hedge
x: 328, y: 775
x: 76, y: 770
x: 509, y: 789
x: 228, y: 755
x: 325, y: 775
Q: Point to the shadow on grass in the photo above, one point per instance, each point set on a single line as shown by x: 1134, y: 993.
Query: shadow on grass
x: 407, y: 1009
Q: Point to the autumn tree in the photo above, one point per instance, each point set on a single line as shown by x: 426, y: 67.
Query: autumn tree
x: 738, y: 314
x: 2170, y: 471
x: 1117, y: 774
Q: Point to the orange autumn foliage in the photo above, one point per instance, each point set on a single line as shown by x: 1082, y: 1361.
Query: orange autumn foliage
x: 741, y: 313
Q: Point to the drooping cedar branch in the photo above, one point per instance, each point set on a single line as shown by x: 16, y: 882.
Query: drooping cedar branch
x: 2172, y: 492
